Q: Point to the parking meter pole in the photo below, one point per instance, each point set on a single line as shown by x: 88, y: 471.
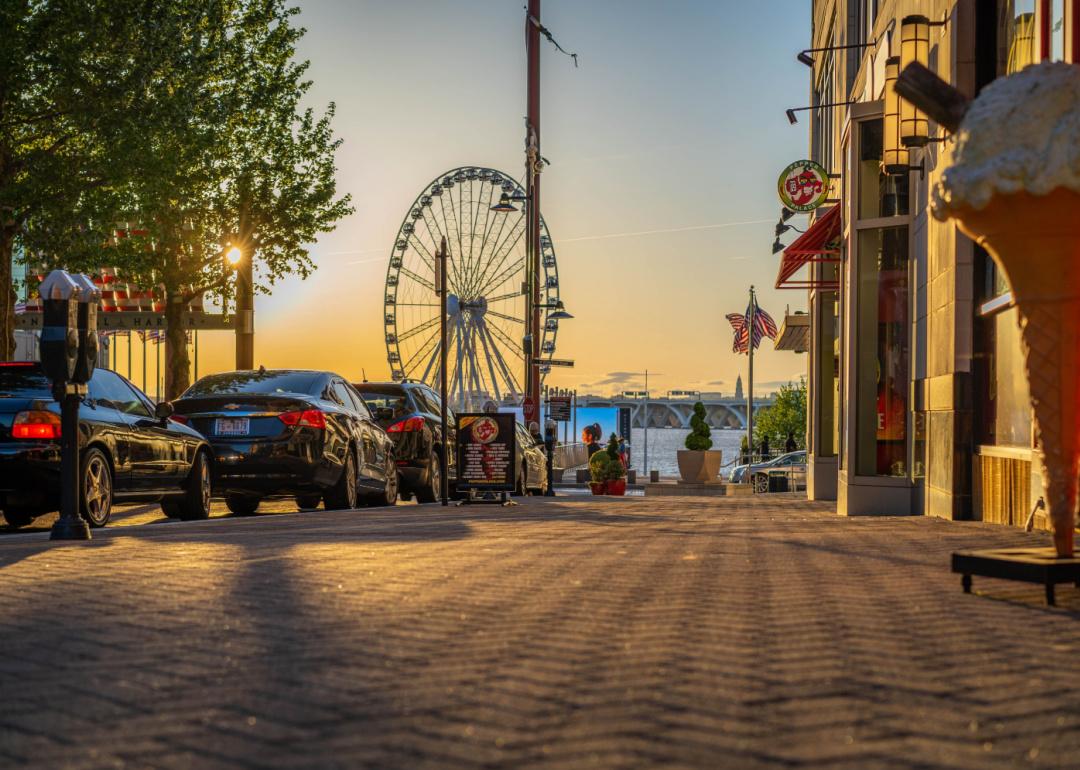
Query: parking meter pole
x: 444, y: 481
x: 550, y: 432
x: 70, y: 525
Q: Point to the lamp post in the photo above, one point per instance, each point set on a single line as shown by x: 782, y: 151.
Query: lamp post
x: 245, y: 305
x: 440, y: 287
x: 533, y: 164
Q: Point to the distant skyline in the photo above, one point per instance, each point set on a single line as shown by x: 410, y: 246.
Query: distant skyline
x: 665, y: 145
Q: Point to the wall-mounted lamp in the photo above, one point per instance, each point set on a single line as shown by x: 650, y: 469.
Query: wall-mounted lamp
x: 791, y: 113
x: 805, y: 57
x: 915, y: 48
x: 786, y: 213
x: 894, y: 158
x: 777, y: 247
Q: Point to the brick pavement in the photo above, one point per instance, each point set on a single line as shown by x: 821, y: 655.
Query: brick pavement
x: 675, y: 633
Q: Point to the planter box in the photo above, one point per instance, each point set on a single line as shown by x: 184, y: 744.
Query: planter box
x: 699, y: 467
x: 616, y: 487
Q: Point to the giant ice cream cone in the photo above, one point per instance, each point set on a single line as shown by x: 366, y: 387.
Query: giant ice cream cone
x: 1014, y: 187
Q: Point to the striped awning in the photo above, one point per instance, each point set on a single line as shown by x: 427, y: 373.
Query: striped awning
x: 817, y: 244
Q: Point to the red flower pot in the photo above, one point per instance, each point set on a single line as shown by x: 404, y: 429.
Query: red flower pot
x: 598, y: 487
x: 616, y: 487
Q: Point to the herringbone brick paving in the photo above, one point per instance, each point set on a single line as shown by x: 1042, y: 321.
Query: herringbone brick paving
x: 675, y: 633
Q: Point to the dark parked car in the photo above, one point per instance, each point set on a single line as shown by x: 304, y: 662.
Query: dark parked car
x: 130, y: 450
x: 291, y: 432
x: 530, y: 463
x: 410, y: 414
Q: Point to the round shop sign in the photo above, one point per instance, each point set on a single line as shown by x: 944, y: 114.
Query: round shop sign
x: 803, y: 186
x: 485, y: 430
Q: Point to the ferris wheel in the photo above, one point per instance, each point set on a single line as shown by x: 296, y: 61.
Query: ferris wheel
x: 485, y: 300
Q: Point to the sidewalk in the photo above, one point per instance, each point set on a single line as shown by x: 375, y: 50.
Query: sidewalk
x: 741, y: 633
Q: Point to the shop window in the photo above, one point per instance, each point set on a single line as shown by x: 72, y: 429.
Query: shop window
x: 882, y: 352
x: 880, y: 194
x: 826, y: 306
x: 1054, y: 28
x: 1015, y: 35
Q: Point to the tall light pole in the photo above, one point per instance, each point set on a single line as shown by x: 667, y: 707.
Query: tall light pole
x: 440, y: 286
x: 531, y: 405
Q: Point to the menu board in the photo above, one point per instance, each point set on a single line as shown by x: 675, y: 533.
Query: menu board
x: 486, y: 448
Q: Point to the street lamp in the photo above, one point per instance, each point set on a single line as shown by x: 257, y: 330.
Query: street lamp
x: 559, y: 309
x: 504, y: 206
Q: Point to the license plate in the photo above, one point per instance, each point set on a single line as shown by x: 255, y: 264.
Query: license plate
x: 232, y: 426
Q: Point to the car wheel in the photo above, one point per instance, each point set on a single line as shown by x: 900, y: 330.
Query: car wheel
x: 308, y: 502
x: 342, y: 496
x: 170, y: 508
x: 761, y: 484
x: 195, y: 504
x: 432, y: 491
x: 242, y: 505
x: 16, y: 519
x: 97, y: 488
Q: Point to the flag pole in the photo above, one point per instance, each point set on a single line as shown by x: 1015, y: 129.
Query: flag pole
x: 750, y: 389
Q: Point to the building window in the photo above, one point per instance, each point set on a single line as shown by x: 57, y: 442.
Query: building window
x: 882, y: 352
x: 1015, y: 35
x: 880, y: 194
x: 824, y: 119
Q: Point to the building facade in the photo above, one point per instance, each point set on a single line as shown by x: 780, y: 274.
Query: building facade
x: 918, y: 402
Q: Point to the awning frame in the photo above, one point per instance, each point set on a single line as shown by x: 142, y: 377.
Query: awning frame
x: 811, y: 247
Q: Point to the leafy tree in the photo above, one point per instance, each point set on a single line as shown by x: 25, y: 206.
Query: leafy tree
x: 72, y: 75
x: 699, y: 438
x: 787, y: 414
x: 222, y: 155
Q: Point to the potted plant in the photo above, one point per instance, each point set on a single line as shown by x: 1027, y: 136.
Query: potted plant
x: 699, y: 462
x: 598, y: 471
x: 616, y: 471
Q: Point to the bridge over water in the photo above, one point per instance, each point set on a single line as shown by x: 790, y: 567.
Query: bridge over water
x: 721, y: 411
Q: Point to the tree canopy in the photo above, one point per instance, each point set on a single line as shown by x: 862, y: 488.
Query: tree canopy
x: 786, y: 415
x: 216, y: 149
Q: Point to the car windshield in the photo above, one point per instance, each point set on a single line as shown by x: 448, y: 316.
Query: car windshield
x: 253, y: 382
x: 24, y: 382
x: 386, y: 398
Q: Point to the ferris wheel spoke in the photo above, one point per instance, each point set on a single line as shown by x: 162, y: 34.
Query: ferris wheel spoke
x: 491, y: 361
x: 498, y: 280
x: 508, y: 375
x: 485, y: 283
x: 421, y: 251
x: 506, y: 317
x: 508, y: 295
x: 417, y: 304
x: 506, y: 340
x: 422, y: 281
x: 417, y: 329
x: 451, y: 234
x: 485, y: 209
x: 418, y: 358
x: 435, y: 352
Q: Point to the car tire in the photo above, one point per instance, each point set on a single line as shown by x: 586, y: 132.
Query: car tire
x: 389, y: 493
x: 242, y: 505
x: 195, y: 504
x: 343, y: 495
x: 170, y: 508
x: 761, y: 484
x: 16, y: 519
x: 308, y: 502
x: 95, y: 488
x: 432, y: 491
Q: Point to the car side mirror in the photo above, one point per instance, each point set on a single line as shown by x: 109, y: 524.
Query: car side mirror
x: 163, y: 411
x: 384, y: 413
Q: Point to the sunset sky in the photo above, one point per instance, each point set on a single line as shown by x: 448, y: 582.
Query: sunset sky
x: 665, y: 146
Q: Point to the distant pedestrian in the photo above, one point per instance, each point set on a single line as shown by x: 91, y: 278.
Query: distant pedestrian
x: 765, y: 447
x: 590, y: 435
x: 622, y: 452
x: 790, y: 446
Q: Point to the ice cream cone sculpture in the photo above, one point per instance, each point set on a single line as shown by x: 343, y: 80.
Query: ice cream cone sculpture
x: 1014, y: 187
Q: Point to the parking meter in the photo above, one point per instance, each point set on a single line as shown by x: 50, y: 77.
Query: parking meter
x: 86, y: 359
x: 59, y: 332
x: 551, y: 433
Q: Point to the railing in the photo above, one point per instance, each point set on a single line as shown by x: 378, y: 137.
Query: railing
x: 569, y: 456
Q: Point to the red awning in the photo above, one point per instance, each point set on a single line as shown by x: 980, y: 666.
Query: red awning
x: 817, y: 244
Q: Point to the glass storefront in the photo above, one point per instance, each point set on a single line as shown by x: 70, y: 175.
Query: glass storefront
x: 882, y: 353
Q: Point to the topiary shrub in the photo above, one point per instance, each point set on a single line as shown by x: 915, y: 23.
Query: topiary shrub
x: 699, y: 439
x: 615, y: 467
x: 599, y: 466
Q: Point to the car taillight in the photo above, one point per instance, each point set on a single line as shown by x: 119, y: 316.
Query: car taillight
x: 183, y: 419
x: 407, y: 426
x: 309, y: 418
x: 36, y: 424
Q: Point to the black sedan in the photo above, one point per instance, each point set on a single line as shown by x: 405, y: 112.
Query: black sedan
x: 410, y: 412
x: 130, y: 450
x: 291, y: 432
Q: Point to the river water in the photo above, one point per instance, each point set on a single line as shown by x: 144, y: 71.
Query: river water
x: 665, y: 442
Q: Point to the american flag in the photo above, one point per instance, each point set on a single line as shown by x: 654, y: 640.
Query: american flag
x: 764, y: 326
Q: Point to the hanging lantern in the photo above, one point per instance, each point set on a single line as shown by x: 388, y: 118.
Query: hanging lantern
x: 914, y: 47
x: 894, y: 159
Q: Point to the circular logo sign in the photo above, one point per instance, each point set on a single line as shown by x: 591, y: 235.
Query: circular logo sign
x: 803, y: 186
x: 485, y: 430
